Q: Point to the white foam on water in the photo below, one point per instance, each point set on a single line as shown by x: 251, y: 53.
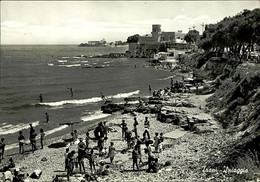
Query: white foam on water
x: 8, y: 129
x: 65, y: 57
x: 123, y: 95
x: 84, y: 61
x: 90, y: 100
x: 94, y: 116
x: 71, y: 65
x: 62, y: 61
x: 80, y: 101
x: 50, y: 64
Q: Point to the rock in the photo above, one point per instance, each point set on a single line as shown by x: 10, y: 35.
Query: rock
x: 57, y: 145
x: 36, y: 174
x: 167, y: 163
x: 44, y: 159
x: 111, y: 107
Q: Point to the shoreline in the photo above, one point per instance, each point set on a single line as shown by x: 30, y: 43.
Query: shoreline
x: 183, y: 149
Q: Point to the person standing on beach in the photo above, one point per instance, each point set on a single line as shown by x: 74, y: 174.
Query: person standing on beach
x: 47, y: 117
x: 92, y: 160
x: 146, y: 128
x: 124, y: 127
x: 41, y: 99
x: 128, y: 135
x: 87, y: 139
x: 33, y: 140
x: 111, y: 152
x: 135, y: 156
x: 105, y: 129
x: 156, y: 142
x: 2, y: 148
x: 161, y: 139
x: 138, y: 145
x: 135, y: 126
x: 81, y: 162
x: 42, y: 137
x: 31, y: 130
x: 69, y: 165
x: 66, y: 156
x: 21, y: 139
x: 81, y: 147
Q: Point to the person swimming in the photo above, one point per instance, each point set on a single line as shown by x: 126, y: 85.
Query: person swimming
x: 71, y: 92
x: 103, y: 97
x: 41, y: 99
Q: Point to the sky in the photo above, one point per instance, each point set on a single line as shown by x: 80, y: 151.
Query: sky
x: 75, y: 22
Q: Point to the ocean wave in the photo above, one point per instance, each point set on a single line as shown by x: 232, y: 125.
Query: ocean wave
x: 9, y: 129
x: 94, y: 116
x: 80, y: 101
x: 50, y: 64
x: 62, y: 61
x: 71, y: 65
x: 65, y: 57
x: 90, y: 100
x: 123, y: 95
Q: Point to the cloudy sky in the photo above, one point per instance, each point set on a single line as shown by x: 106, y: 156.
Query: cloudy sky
x: 73, y: 22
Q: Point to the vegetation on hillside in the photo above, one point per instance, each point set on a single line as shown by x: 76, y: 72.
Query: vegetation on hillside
x: 237, y: 34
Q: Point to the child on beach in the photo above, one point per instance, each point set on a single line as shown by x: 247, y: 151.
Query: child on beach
x: 161, y: 139
x: 111, y: 152
x: 42, y: 137
x: 21, y: 139
x: 66, y: 156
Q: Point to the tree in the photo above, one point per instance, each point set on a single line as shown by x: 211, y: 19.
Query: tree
x: 133, y: 38
x: 192, y: 36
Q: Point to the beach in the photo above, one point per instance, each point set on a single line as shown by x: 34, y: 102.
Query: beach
x: 187, y: 152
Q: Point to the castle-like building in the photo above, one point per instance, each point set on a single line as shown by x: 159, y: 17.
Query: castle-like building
x: 157, y: 36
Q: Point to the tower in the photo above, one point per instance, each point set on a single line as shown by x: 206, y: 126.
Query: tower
x: 156, y: 32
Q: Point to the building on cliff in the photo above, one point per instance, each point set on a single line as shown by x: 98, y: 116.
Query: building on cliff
x: 148, y: 44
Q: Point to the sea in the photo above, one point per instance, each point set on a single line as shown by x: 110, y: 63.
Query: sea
x: 51, y: 70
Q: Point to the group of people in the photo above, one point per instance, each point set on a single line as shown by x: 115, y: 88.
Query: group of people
x: 135, y: 142
x: 132, y: 138
x: 32, y: 138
